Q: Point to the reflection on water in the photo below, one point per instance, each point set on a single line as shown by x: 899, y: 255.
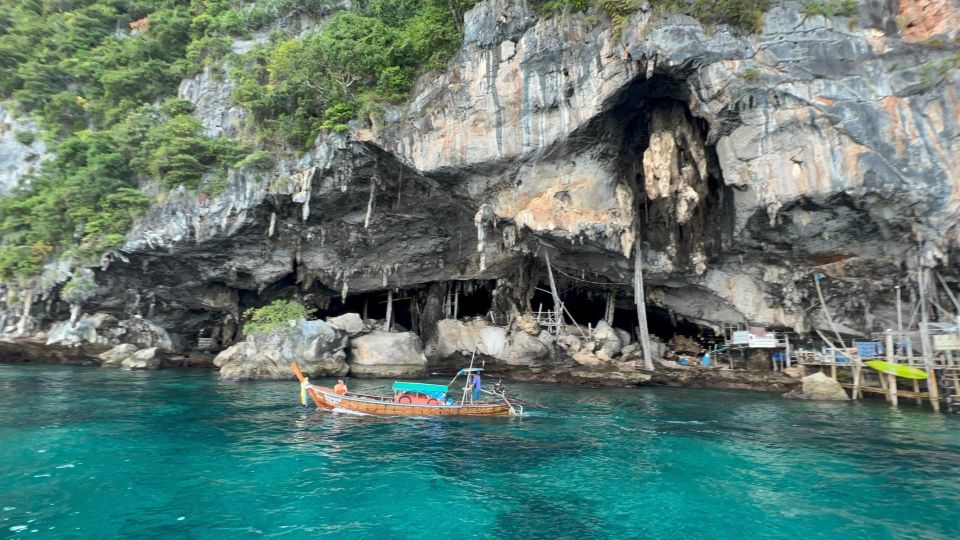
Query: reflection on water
x: 98, y: 453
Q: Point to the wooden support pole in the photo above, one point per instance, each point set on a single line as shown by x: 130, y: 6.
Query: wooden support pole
x: 899, y: 314
x: 557, y: 305
x: 883, y: 384
x: 858, y: 381
x: 388, y: 324
x: 641, y: 302
x: 925, y: 340
x: 787, y: 351
x: 956, y: 304
x: 891, y: 378
x: 826, y: 312
x: 611, y: 303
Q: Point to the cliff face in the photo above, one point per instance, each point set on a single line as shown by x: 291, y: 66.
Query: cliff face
x: 744, y: 164
x: 20, y: 148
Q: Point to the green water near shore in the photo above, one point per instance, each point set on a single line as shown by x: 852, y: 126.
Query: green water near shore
x: 92, y: 453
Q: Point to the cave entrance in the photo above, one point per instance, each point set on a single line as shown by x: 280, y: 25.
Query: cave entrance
x: 468, y: 299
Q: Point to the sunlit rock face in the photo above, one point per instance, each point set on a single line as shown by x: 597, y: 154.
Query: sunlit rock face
x: 21, y: 147
x: 743, y: 164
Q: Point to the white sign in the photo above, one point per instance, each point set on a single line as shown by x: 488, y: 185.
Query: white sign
x: 741, y: 337
x: 946, y: 342
x: 768, y: 341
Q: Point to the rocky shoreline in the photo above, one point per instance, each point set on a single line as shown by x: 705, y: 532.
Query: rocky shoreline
x: 348, y: 345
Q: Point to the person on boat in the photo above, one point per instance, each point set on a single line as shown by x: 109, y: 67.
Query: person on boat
x: 340, y: 388
x: 476, y: 386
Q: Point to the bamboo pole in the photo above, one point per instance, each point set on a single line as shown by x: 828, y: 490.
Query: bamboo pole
x: 641, y: 302
x: 891, y: 378
x: 557, y: 305
x: 823, y: 305
x: 466, y: 385
x: 899, y: 314
x: 925, y: 341
x: 953, y: 298
x: 857, y: 376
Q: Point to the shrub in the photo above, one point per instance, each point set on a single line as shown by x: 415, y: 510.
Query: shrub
x: 25, y: 138
x: 745, y: 14
x: 749, y: 74
x: 830, y: 8
x: 259, y: 159
x: 274, y: 316
x: 81, y: 287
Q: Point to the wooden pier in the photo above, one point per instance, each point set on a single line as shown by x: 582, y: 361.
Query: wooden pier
x: 942, y: 368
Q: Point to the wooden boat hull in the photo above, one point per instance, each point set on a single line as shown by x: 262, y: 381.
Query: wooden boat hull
x: 326, y: 398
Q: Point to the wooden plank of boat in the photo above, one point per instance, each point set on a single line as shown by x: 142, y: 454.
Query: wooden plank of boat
x: 326, y: 398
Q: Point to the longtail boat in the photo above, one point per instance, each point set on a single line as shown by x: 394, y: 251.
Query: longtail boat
x: 408, y: 399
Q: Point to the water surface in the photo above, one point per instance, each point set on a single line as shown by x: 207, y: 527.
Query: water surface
x: 92, y: 453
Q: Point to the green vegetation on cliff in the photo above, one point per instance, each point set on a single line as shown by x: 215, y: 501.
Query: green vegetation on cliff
x: 98, y: 76
x: 273, y: 316
x: 746, y: 14
x: 92, y: 72
x: 296, y: 86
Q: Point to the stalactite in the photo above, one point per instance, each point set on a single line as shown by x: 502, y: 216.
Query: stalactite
x: 343, y: 291
x: 273, y: 224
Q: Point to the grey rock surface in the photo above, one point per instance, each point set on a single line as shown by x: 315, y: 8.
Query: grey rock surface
x: 821, y: 387
x: 17, y: 158
x: 143, y: 359
x: 349, y: 323
x: 115, y: 356
x: 387, y: 354
x: 315, y: 345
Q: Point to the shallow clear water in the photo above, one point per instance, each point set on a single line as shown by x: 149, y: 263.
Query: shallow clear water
x: 90, y: 453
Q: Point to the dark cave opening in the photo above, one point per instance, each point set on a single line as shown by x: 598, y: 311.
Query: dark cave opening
x: 665, y: 324
x: 588, y: 307
x: 473, y: 298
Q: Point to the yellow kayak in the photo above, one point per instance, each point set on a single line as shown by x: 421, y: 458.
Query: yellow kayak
x: 907, y: 372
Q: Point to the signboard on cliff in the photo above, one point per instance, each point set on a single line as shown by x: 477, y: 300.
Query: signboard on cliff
x: 946, y: 342
x: 767, y: 341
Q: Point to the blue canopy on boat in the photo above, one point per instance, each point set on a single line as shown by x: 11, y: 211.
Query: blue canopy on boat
x: 437, y: 391
x: 464, y: 371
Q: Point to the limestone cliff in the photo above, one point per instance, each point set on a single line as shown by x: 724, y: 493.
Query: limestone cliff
x: 744, y: 163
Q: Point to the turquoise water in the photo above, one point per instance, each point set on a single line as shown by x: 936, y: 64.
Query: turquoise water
x: 91, y: 453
